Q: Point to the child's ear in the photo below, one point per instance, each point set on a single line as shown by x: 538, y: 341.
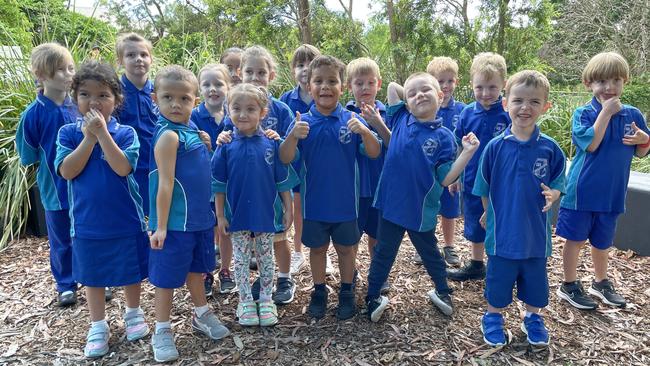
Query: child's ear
x: 154, y: 97
x: 197, y: 101
x: 504, y: 103
x: 265, y: 110
x: 271, y: 76
x: 547, y: 106
x: 378, y: 83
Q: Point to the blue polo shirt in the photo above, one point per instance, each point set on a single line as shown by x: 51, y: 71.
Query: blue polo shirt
x: 103, y: 205
x: 485, y: 124
x: 36, y: 143
x: 597, y: 181
x: 292, y: 99
x: 418, y: 159
x: 205, y: 122
x: 277, y: 119
x: 369, y: 169
x: 451, y: 113
x: 249, y: 171
x: 328, y: 167
x: 510, y: 175
x: 192, y: 181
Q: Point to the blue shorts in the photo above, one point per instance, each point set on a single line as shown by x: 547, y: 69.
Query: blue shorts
x: 449, y: 205
x: 142, y: 178
x: 598, y: 227
x: 472, y: 211
x: 368, y: 217
x: 528, y: 274
x: 110, y: 262
x: 183, y: 252
x: 315, y: 234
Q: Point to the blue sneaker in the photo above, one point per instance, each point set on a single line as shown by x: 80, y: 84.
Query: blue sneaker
x: 492, y: 328
x: 97, y: 341
x: 535, y: 330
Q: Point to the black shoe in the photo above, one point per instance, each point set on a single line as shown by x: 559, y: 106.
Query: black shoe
x: 284, y: 291
x: 442, y: 302
x: 451, y: 257
x: 573, y: 293
x: 226, y: 284
x: 605, y: 291
x: 317, y: 304
x: 67, y: 298
x: 472, y: 270
x: 253, y: 264
x: 108, y: 294
x: 255, y: 289
x: 385, y: 288
x: 208, y: 281
x: 347, y: 305
x: 376, y: 308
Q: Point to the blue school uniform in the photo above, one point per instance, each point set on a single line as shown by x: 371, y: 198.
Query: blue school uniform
x: 277, y: 119
x: 205, y: 122
x: 249, y: 171
x: 295, y: 103
x: 450, y: 205
x: 36, y: 143
x: 107, y: 222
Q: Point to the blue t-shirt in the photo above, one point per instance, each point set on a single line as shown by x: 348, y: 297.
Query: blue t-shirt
x: 293, y: 100
x: 205, y: 122
x: 451, y: 113
x: 369, y: 169
x: 103, y: 205
x: 485, y: 124
x: 189, y: 210
x: 329, y: 172
x: 36, y: 143
x: 597, y: 181
x: 277, y: 119
x: 251, y: 174
x: 418, y: 159
x: 510, y: 175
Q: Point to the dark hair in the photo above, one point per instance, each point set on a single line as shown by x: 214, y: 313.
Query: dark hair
x: 101, y: 72
x: 304, y: 53
x: 176, y: 73
x: 327, y: 61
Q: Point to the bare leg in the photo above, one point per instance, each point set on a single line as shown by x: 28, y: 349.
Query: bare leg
x: 478, y: 251
x: 282, y: 256
x: 163, y: 303
x: 225, y: 251
x: 347, y: 261
x: 132, y: 295
x: 297, y: 223
x: 448, y: 230
x: 194, y: 283
x: 96, y: 303
x: 317, y: 263
x: 600, y: 257
x: 570, y: 256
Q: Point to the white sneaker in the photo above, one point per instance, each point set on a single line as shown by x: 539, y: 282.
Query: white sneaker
x: 329, y: 268
x: 297, y: 262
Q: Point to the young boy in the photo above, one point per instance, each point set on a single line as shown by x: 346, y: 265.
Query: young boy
x: 138, y: 109
x: 520, y: 175
x: 420, y: 156
x: 607, y: 135
x: 182, y: 242
x: 486, y: 119
x: 53, y: 67
x: 328, y: 139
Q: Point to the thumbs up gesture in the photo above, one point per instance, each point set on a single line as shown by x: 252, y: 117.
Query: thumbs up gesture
x: 638, y: 137
x: 300, y: 129
x: 354, y: 125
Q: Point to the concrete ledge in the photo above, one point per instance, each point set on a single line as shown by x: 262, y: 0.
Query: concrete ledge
x: 633, y: 227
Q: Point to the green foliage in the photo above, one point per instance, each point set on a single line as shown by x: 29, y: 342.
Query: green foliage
x: 14, y: 26
x: 637, y: 93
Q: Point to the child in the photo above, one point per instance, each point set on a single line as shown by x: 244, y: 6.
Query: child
x: 364, y: 80
x: 138, y: 110
x: 486, y: 119
x: 232, y: 59
x: 607, y: 135
x: 248, y: 172
x: 329, y: 138
x: 181, y: 221
x: 97, y: 156
x: 53, y: 67
x: 520, y: 175
x: 420, y: 156
x: 299, y: 100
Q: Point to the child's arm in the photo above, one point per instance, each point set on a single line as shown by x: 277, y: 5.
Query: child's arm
x: 483, y: 219
x: 610, y: 108
x: 27, y: 140
x: 75, y: 162
x: 394, y: 93
x: 373, y: 117
x: 219, y: 204
x: 112, y: 153
x: 370, y: 142
x: 550, y: 195
x: 205, y: 138
x: 470, y: 145
x: 299, y: 131
x: 165, y: 155
x: 287, y: 203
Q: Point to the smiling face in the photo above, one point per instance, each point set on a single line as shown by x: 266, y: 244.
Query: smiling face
x: 364, y: 88
x: 213, y: 88
x: 325, y: 87
x: 62, y: 78
x: 606, y: 88
x: 136, y: 59
x: 423, y: 98
x: 487, y: 89
x: 93, y: 94
x: 175, y: 99
x: 246, y: 113
x: 525, y: 104
x: 257, y: 72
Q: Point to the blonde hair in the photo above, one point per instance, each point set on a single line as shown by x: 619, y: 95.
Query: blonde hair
x: 46, y: 58
x: 489, y: 64
x: 176, y: 73
x: 219, y: 68
x: 529, y: 78
x: 258, y: 52
x: 249, y: 90
x: 362, y: 66
x: 124, y: 38
x: 438, y: 65
x: 231, y: 50
x: 423, y: 75
x: 606, y: 65
x: 304, y: 53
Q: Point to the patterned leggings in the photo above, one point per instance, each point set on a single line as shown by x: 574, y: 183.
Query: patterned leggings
x: 242, y: 245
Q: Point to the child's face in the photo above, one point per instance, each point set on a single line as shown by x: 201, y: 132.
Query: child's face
x: 325, y: 87
x: 607, y: 88
x: 525, y: 104
x: 422, y: 98
x: 257, y: 72
x: 246, y: 113
x: 93, y: 94
x: 487, y: 89
x: 62, y: 78
x: 300, y: 72
x: 175, y: 99
x: 233, y: 63
x: 364, y: 88
x: 448, y: 83
x: 136, y: 59
x: 213, y: 88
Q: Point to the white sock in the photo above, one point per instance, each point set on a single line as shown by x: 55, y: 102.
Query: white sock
x: 284, y: 275
x: 163, y: 325
x: 129, y: 311
x: 200, y: 310
x: 100, y: 323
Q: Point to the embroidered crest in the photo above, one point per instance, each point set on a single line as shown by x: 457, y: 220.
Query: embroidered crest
x: 429, y: 147
x: 268, y: 156
x: 270, y: 123
x: 628, y: 130
x: 345, y: 136
x: 541, y: 168
x: 498, y: 128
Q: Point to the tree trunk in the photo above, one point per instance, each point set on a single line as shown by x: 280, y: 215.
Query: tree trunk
x: 398, y: 59
x: 503, y: 22
x: 304, y: 25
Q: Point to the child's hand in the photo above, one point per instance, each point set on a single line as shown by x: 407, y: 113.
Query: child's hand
x: 371, y: 115
x: 205, y: 138
x: 96, y: 122
x: 224, y: 138
x: 483, y: 220
x: 88, y: 135
x: 355, y: 126
x: 453, y: 188
x: 272, y: 134
x: 550, y: 195
x: 612, y: 106
x: 638, y: 138
x: 470, y: 142
x: 300, y: 129
x: 157, y: 239
x: 222, y: 225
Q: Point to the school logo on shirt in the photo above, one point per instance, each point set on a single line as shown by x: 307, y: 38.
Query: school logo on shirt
x: 628, y: 130
x: 498, y: 128
x: 345, y: 136
x: 268, y: 156
x: 270, y: 123
x: 429, y: 147
x: 541, y: 168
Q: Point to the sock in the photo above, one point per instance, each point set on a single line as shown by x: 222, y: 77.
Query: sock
x: 284, y: 275
x: 346, y: 287
x: 100, y: 323
x: 200, y: 310
x: 318, y: 287
x: 130, y: 311
x: 569, y: 283
x: 163, y: 325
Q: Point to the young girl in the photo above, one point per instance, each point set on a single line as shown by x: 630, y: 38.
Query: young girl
x: 251, y: 197
x: 232, y: 59
x: 110, y: 246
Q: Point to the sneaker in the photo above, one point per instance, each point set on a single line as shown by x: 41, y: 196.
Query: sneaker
x: 417, y: 259
x: 329, y: 268
x: 268, y: 313
x: 298, y: 262
x: 472, y: 270
x: 226, y: 284
x: 67, y: 298
x: 207, y: 284
x: 97, y: 341
x: 451, y: 257
x: 247, y: 314
x: 347, y: 306
x: 164, y: 349
x: 492, y: 328
x: 108, y: 294
x: 376, y: 308
x: 253, y: 264
x: 136, y: 327
x: 255, y: 289
x: 209, y: 325
x: 573, y: 293
x: 385, y: 287
x: 605, y: 291
x: 535, y: 330
x: 442, y: 302
x: 284, y: 291
x: 318, y: 304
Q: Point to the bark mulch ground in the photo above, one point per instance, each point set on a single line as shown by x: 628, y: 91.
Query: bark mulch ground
x: 34, y: 331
